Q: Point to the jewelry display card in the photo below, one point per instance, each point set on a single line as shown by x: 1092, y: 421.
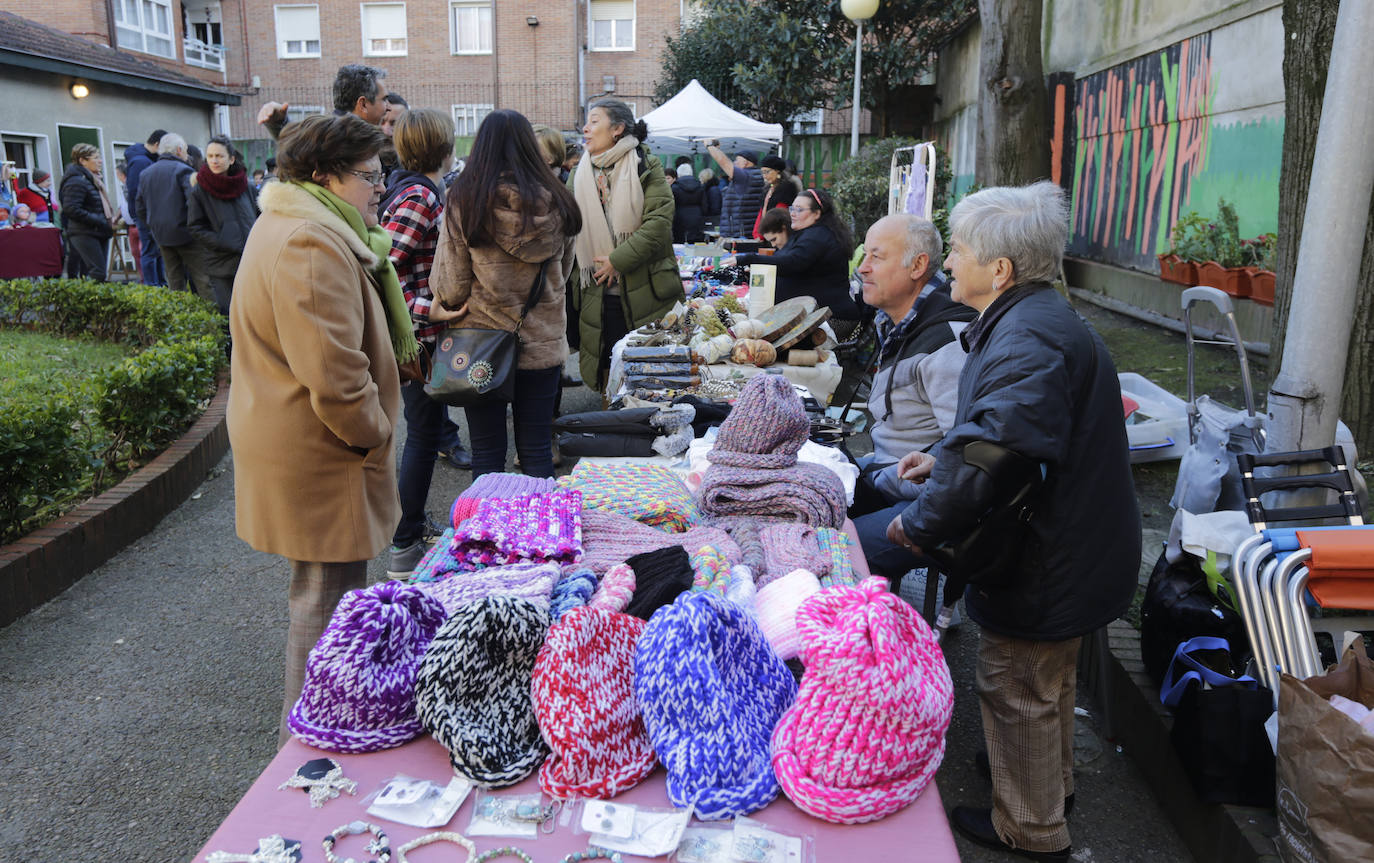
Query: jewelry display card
x: 503, y: 815
x: 418, y: 802
x: 755, y: 843
x: 603, y: 818
x: 705, y: 845
x: 655, y: 832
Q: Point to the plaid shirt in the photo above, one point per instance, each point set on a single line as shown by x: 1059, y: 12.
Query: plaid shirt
x: 412, y: 220
x: 889, y: 333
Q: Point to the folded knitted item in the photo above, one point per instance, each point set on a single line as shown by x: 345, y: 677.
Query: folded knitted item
x: 507, y: 485
x: 573, y: 589
x: 649, y: 493
x: 744, y: 530
x: 710, y: 569
x: 584, y: 701
x: 872, y: 663
x: 790, y: 546
x: 609, y: 538
x: 776, y: 607
x: 659, y: 577
x: 438, y: 561
x: 742, y: 590
x: 473, y: 689
x: 711, y: 690
x: 532, y: 581
x: 359, y: 692
x: 463, y: 509
x: 836, y: 545
x: 536, y: 528
x: 616, y: 588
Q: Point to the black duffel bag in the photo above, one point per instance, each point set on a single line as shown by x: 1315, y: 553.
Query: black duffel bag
x: 1179, y: 606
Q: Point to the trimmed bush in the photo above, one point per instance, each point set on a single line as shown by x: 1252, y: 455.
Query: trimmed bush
x: 39, y: 458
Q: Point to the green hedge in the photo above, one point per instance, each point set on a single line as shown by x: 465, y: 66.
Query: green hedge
x: 140, y: 404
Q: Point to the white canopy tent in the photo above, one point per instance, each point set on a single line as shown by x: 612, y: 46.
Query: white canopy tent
x: 685, y: 122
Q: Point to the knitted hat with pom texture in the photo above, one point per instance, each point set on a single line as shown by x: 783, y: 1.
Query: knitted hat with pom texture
x: 473, y: 689
x: 711, y: 690
x: 359, y: 693
x: 867, y: 731
x: 584, y: 701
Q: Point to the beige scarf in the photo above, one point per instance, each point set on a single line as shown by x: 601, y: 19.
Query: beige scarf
x: 606, y: 226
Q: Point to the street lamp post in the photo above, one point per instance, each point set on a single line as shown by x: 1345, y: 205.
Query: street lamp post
x: 857, y: 11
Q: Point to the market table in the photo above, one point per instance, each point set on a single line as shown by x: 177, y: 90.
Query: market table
x: 30, y: 251
x: 821, y: 379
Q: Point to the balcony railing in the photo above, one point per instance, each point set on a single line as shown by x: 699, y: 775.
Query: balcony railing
x: 202, y: 54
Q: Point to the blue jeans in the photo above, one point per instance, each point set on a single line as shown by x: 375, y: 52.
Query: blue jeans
x: 884, y: 558
x: 150, y: 256
x: 428, y: 430
x: 532, y: 409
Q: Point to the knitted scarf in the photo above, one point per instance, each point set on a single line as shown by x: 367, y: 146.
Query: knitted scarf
x: 606, y: 226
x: 227, y: 186
x: 383, y: 274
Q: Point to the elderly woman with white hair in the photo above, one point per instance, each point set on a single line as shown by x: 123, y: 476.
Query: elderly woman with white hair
x: 1039, y: 390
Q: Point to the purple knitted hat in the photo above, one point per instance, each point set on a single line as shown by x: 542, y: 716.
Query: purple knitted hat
x: 359, y: 693
x: 766, y: 427
x: 533, y: 581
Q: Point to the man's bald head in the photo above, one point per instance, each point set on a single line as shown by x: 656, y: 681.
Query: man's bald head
x: 901, y: 253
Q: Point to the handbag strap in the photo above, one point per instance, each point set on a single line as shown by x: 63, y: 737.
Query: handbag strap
x: 536, y: 292
x: 1175, y: 684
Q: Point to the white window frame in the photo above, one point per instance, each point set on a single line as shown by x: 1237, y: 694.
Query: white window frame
x: 797, y: 123
x: 591, y: 27
x: 296, y: 113
x: 453, y: 7
x: 134, y: 35
x: 473, y: 113
x: 391, y: 50
x: 305, y: 54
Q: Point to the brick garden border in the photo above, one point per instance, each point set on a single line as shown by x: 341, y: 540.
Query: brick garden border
x: 52, y: 558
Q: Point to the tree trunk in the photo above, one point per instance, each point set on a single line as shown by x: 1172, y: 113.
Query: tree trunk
x: 1013, y: 122
x: 1310, y: 26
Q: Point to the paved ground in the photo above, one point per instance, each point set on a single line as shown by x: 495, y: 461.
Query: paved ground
x: 141, y: 704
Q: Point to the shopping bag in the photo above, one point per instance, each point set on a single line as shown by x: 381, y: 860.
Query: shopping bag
x: 1325, y: 787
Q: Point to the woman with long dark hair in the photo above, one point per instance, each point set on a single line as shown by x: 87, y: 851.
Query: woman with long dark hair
x: 220, y: 211
x: 507, y: 215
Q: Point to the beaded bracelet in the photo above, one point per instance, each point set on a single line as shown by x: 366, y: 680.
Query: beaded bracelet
x: 379, y: 844
x: 440, y: 836
x: 594, y: 853
x: 508, y: 851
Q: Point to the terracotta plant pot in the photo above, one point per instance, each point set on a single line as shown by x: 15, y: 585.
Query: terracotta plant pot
x: 1174, y: 269
x: 1230, y: 280
x: 1261, y: 286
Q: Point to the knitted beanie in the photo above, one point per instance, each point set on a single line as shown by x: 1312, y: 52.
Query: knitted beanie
x: 867, y: 731
x: 835, y: 544
x: 532, y: 581
x: 473, y: 689
x: 609, y: 538
x: 776, y: 606
x: 507, y: 485
x: 710, y: 569
x: 711, y: 691
x: 359, y: 693
x: 788, y: 547
x: 742, y: 590
x: 616, y: 589
x: 648, y: 493
x: 584, y: 701
x: 766, y: 427
x: 659, y: 577
x: 573, y: 589
x: 534, y: 528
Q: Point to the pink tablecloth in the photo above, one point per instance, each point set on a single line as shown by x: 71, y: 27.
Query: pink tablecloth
x: 918, y: 832
x: 30, y: 251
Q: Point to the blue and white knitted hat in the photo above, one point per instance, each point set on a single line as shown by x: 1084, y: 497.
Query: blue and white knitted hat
x: 712, y: 691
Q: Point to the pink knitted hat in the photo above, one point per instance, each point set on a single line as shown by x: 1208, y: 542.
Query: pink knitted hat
x: 867, y: 731
x: 776, y: 607
x: 584, y: 702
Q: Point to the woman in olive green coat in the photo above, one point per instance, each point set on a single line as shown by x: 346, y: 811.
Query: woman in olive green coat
x: 626, y: 273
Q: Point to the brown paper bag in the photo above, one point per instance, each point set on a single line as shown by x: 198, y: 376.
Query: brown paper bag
x: 1325, y: 795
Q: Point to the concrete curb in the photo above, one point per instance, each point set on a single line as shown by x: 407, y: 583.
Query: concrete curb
x: 51, y: 559
x: 1140, y: 723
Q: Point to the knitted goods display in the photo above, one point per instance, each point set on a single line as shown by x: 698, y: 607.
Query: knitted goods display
x: 496, y: 485
x: 711, y: 690
x: 532, y: 581
x: 536, y: 528
x: 584, y: 700
x: 616, y: 588
x: 745, y: 532
x: 710, y: 569
x: 867, y: 731
x: 648, y: 493
x: 359, y: 692
x: 790, y: 546
x: 438, y: 561
x: 836, y: 544
x: 463, y: 509
x: 742, y: 590
x: 573, y: 589
x: 776, y: 607
x: 609, y: 538
x: 659, y: 577
x: 754, y: 468
x: 473, y: 689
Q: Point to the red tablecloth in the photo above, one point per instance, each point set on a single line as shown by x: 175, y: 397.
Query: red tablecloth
x: 30, y: 251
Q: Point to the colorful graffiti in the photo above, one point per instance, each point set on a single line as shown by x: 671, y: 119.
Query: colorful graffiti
x: 1143, y: 137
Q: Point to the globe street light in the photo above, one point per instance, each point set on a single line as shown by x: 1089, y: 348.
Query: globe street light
x: 857, y: 11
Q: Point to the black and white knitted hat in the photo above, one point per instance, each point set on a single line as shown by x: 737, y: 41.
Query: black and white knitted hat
x: 473, y: 690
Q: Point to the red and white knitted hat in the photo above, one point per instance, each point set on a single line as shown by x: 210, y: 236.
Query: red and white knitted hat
x: 872, y: 664
x: 585, y: 704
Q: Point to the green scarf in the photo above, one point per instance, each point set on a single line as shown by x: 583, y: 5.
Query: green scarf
x: 384, y: 275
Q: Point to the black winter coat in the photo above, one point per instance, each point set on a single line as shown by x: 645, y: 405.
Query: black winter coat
x: 812, y: 264
x: 711, y: 201
x: 740, y: 203
x: 1039, y: 381
x: 163, y: 191
x: 221, y: 227
x: 689, y: 220
x: 82, y: 211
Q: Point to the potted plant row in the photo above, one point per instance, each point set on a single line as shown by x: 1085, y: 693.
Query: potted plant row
x: 1211, y: 252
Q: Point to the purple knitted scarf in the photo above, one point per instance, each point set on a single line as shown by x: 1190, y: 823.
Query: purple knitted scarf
x: 536, y: 528
x: 609, y: 538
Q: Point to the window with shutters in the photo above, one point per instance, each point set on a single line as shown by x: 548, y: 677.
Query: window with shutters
x: 145, y: 25
x: 384, y: 29
x: 470, y: 27
x: 298, y: 31
x: 612, y: 25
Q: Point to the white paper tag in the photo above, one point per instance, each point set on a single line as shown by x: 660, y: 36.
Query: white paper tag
x: 419, y: 802
x: 656, y: 832
x: 616, y: 820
